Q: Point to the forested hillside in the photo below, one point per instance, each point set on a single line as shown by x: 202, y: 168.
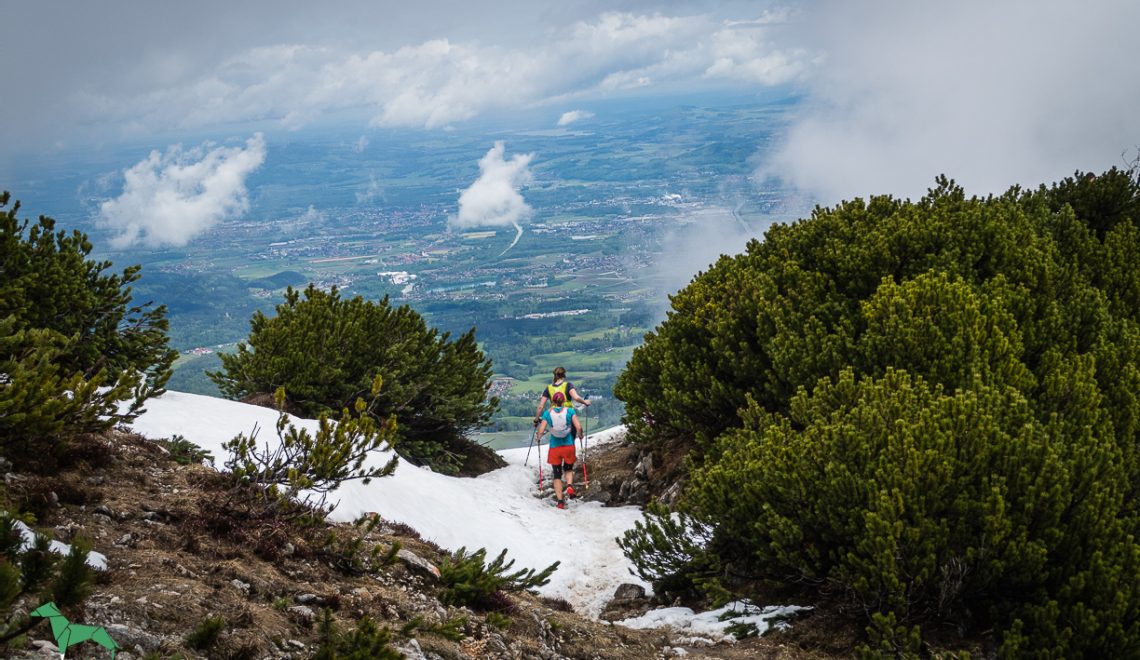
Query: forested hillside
x: 923, y: 413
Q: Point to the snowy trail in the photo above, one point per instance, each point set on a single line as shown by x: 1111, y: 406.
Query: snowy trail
x: 495, y: 511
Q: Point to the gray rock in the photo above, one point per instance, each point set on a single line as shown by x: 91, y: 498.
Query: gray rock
x: 638, y: 495
x: 629, y: 601
x: 628, y: 591
x: 411, y: 650
x: 496, y: 645
x: 418, y: 563
x: 45, y: 647
x: 644, y: 466
x: 129, y: 638
x: 672, y: 492
x: 303, y: 612
x: 547, y: 639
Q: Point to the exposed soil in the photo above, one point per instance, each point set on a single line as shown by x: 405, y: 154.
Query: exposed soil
x: 172, y: 563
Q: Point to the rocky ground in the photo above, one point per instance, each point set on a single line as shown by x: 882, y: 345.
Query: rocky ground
x: 621, y: 474
x: 172, y: 564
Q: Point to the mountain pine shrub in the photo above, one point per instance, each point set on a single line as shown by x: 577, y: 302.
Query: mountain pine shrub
x: 290, y: 479
x: 670, y: 550
x: 184, y: 452
x: 469, y: 580
x: 73, y: 347
x: 928, y: 411
x: 40, y: 405
x: 325, y: 351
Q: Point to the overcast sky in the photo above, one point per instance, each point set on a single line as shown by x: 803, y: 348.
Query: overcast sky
x: 894, y: 91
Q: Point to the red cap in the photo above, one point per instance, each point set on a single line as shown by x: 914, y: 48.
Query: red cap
x: 558, y: 397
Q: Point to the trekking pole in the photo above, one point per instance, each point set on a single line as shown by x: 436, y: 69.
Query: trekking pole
x: 540, y: 466
x: 585, y: 445
x: 529, y: 446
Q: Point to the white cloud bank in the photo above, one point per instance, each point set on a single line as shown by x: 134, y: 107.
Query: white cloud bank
x: 572, y: 116
x: 989, y: 93
x: 435, y: 82
x: 169, y: 199
x: 744, y: 51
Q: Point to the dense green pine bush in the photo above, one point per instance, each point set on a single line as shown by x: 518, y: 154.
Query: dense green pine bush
x: 929, y: 410
x: 75, y: 357
x: 325, y: 351
x: 72, y: 345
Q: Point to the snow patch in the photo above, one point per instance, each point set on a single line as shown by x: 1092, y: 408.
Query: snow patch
x: 94, y: 559
x: 713, y: 626
x: 498, y: 510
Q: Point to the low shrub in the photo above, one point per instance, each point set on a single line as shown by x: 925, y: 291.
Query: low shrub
x: 468, y: 580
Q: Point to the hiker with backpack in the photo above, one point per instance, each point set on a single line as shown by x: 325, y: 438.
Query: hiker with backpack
x: 564, y: 427
x: 559, y: 384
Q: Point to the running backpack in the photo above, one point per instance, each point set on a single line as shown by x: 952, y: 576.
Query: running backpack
x: 564, y: 388
x: 560, y: 423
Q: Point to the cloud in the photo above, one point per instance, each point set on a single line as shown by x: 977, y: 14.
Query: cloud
x: 297, y: 76
x: 742, y: 52
x: 990, y: 94
x: 170, y: 198
x: 494, y: 199
x: 572, y: 116
x: 312, y: 216
x: 694, y: 244
x: 372, y: 192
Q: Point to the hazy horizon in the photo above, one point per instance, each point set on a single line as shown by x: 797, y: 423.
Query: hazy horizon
x: 891, y: 94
